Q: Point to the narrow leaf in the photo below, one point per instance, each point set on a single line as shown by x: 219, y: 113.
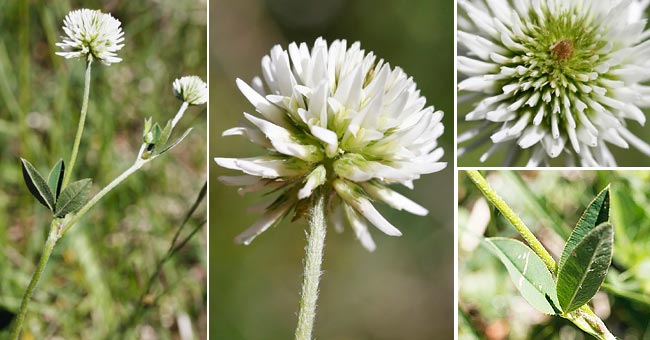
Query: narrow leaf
x: 73, y: 197
x: 528, y: 272
x: 585, y: 268
x: 166, y: 132
x: 596, y: 213
x: 55, y: 178
x: 37, y: 185
x: 187, y: 132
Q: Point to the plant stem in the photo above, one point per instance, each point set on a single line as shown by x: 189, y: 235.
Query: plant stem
x: 80, y: 127
x: 313, y: 261
x: 180, y: 113
x: 119, y: 179
x: 52, y: 238
x: 516, y: 222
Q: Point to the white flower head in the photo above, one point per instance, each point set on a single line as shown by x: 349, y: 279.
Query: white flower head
x: 92, y: 35
x: 557, y: 76
x: 335, y: 119
x: 191, y: 89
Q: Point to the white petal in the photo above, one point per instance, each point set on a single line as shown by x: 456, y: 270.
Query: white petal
x: 393, y: 198
x: 264, y: 223
x: 365, y: 208
x: 360, y: 228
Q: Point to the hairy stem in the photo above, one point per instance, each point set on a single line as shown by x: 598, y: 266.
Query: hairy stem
x: 80, y: 127
x: 313, y: 261
x: 516, y: 222
x: 52, y: 237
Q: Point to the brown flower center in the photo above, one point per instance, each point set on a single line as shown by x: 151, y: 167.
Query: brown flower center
x: 562, y: 50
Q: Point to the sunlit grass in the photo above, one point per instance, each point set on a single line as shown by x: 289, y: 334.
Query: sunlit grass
x: 97, y: 273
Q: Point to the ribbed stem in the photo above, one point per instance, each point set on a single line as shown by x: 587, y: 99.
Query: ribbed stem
x: 313, y: 261
x: 45, y: 257
x: 80, y: 127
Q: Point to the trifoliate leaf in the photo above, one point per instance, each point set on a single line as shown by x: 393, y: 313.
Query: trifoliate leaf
x: 73, y: 197
x: 585, y: 268
x: 37, y: 185
x: 596, y: 213
x: 528, y: 272
x: 55, y: 178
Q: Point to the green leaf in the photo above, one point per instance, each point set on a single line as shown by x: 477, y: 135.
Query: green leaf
x: 73, y: 197
x: 37, y: 185
x: 55, y: 178
x: 528, y: 272
x: 596, y: 213
x: 585, y: 268
x: 187, y: 132
x: 164, y: 136
x: 147, y: 126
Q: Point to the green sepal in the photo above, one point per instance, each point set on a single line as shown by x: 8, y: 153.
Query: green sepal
x: 585, y: 268
x: 73, y: 197
x: 55, y: 178
x: 37, y: 185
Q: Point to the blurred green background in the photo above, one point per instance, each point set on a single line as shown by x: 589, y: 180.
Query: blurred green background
x: 550, y: 203
x: 404, y: 290
x: 98, y: 271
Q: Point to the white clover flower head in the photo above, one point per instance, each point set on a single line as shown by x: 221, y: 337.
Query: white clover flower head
x: 191, y: 89
x: 557, y: 76
x: 338, y: 120
x: 92, y: 35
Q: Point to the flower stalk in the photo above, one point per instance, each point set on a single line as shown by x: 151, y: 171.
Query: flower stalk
x: 313, y: 262
x: 80, y: 126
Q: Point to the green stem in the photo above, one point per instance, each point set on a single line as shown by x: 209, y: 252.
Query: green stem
x: 119, y: 179
x: 313, y: 261
x: 516, y: 222
x: 47, y: 251
x: 80, y: 127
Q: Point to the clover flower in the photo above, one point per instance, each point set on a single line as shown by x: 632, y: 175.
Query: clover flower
x: 335, y: 119
x: 93, y: 35
x: 558, y: 76
x: 191, y: 89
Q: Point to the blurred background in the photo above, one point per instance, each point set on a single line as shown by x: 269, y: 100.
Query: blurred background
x: 98, y: 271
x: 404, y: 290
x: 550, y: 203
